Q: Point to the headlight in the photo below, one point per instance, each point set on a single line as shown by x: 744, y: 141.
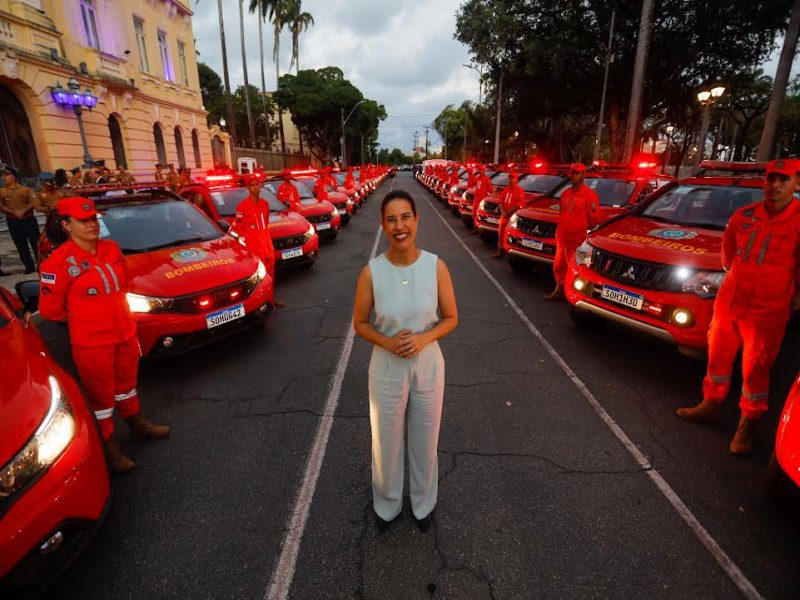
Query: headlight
x: 309, y: 233
x: 349, y: 202
x: 482, y: 205
x: 705, y: 284
x: 464, y: 196
x: 454, y: 189
x: 51, y: 438
x: 334, y: 213
x: 512, y: 222
x: 146, y: 304
x: 583, y: 255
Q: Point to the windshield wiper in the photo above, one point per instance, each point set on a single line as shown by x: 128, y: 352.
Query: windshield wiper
x: 709, y: 225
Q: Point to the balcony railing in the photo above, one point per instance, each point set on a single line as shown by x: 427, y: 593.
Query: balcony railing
x: 37, y: 4
x: 110, y: 66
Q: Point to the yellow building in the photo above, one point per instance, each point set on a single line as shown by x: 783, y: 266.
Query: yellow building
x: 137, y: 57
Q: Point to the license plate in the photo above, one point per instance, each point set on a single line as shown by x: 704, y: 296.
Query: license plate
x: 226, y: 315
x: 532, y: 244
x: 620, y: 296
x: 492, y: 221
x: 323, y: 226
x: 293, y: 253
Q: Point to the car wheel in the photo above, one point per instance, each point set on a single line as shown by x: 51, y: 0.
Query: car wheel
x: 581, y: 318
x: 454, y: 210
x: 518, y: 265
x: 488, y: 238
x: 778, y: 485
x: 467, y: 220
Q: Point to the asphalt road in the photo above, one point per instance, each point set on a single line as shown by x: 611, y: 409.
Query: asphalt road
x: 538, y: 497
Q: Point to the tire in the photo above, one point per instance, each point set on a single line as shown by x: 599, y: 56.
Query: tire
x: 518, y: 265
x: 467, y: 220
x: 778, y: 485
x: 488, y: 238
x: 581, y: 319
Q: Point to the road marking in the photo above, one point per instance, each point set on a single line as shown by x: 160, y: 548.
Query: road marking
x: 731, y: 569
x: 281, y: 580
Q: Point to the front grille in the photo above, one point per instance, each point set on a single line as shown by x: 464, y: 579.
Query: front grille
x: 491, y: 207
x: 293, y: 241
x: 320, y: 218
x: 218, y: 298
x: 540, y: 229
x: 469, y: 197
x: 644, y: 275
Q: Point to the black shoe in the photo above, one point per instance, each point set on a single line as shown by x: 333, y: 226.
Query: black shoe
x: 383, y: 526
x: 423, y: 524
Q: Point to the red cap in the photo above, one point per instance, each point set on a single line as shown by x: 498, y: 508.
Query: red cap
x: 76, y: 207
x: 784, y: 166
x: 579, y: 167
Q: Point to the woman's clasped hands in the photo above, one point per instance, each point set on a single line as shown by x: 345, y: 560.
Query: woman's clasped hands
x: 406, y: 343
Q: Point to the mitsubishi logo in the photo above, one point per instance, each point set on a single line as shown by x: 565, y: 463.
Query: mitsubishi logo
x: 630, y: 274
x: 535, y: 230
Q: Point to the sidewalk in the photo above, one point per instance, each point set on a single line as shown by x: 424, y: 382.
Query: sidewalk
x: 10, y: 262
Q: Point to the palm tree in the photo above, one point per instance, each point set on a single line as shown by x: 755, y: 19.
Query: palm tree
x: 246, y: 80
x: 227, y: 79
x: 298, y: 22
x: 263, y: 80
x: 278, y: 10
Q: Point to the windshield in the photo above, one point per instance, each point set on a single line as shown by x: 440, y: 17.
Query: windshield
x: 340, y: 177
x: 610, y: 192
x: 310, y: 182
x: 539, y: 184
x: 701, y: 205
x: 500, y: 179
x: 149, y: 225
x: 226, y: 201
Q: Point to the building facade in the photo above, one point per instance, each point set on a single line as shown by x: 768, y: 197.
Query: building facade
x: 137, y: 57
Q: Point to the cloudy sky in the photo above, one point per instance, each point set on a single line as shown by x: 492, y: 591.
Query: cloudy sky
x: 400, y: 53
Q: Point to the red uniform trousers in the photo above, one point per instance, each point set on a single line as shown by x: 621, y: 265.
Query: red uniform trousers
x: 760, y: 345
x: 108, y: 374
x: 565, y: 251
x: 501, y: 231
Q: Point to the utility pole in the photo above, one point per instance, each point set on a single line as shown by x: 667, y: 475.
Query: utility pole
x: 416, y: 141
x: 250, y: 124
x: 464, y: 147
x: 642, y: 48
x: 608, y: 58
x: 263, y: 83
x: 497, y: 125
x: 767, y: 142
x: 427, y: 127
x: 231, y: 119
x: 362, y: 149
x: 344, y: 160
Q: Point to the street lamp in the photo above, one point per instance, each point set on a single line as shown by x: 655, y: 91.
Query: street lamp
x: 78, y: 101
x: 670, y: 129
x: 706, y: 98
x: 344, y: 122
x: 222, y: 123
x: 480, y: 78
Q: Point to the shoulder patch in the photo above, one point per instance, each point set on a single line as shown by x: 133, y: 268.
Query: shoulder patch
x: 74, y: 271
x: 71, y: 260
x: 749, y: 212
x: 48, y: 278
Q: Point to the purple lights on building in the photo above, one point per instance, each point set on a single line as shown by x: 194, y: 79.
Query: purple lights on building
x: 73, y: 96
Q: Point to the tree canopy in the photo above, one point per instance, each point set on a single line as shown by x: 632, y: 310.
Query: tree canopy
x: 316, y: 99
x: 550, y: 55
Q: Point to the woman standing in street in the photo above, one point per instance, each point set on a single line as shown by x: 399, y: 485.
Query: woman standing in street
x: 84, y: 282
x: 412, y: 295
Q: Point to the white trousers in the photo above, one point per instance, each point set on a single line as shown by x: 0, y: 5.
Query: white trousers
x: 400, y: 387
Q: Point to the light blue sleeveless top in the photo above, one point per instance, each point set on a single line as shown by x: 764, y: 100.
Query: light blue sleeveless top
x: 405, y: 297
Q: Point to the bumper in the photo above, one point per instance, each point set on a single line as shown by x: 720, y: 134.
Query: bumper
x: 521, y: 245
x: 310, y: 253
x: 162, y: 334
x: 488, y: 221
x: 71, y: 498
x: 656, y: 318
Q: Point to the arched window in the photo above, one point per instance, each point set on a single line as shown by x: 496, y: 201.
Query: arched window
x: 196, y: 147
x: 179, y: 146
x: 16, y: 139
x: 161, y: 151
x: 115, y: 131
x: 218, y: 151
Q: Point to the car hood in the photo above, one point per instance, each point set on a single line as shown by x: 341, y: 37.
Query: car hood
x: 337, y: 197
x: 286, y: 224
x: 190, y: 268
x: 24, y: 388
x: 661, y: 242
x: 542, y: 208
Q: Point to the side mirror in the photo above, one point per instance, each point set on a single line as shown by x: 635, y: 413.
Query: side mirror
x: 224, y: 225
x: 28, y: 293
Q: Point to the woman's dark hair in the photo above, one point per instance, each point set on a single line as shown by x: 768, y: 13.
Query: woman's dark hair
x: 61, y: 178
x: 398, y: 195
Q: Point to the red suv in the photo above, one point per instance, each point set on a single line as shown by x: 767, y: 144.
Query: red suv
x: 54, y: 487
x: 657, y: 269
x: 341, y: 200
x: 531, y: 233
x: 322, y: 214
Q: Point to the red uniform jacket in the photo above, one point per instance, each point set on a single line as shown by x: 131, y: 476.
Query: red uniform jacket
x: 349, y: 181
x: 578, y: 213
x: 762, y: 257
x: 288, y: 194
x: 88, y: 292
x: 512, y: 198
x: 321, y: 189
x: 252, y: 226
x: 454, y: 178
x: 483, y: 187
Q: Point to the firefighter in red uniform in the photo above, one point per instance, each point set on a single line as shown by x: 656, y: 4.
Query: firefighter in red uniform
x: 288, y: 194
x: 321, y: 188
x: 579, y: 211
x: 349, y: 181
x: 84, y: 282
x: 761, y: 254
x: 511, y: 199
x: 483, y: 187
x: 251, y: 225
x: 453, y: 179
x: 329, y: 178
